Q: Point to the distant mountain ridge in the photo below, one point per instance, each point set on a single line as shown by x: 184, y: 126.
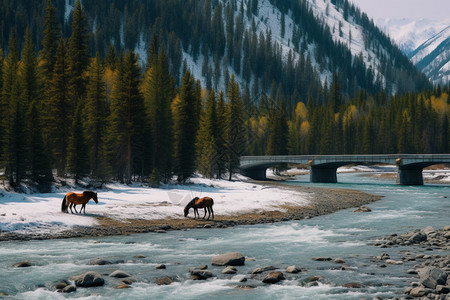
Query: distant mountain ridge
x: 433, y: 57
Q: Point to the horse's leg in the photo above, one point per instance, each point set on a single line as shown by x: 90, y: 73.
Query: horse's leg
x: 196, y: 213
x: 209, y: 212
x: 70, y: 206
x: 205, y: 212
x: 75, y: 207
x: 212, y: 211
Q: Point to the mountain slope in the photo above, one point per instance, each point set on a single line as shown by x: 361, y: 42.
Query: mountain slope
x: 433, y: 57
x: 289, y: 46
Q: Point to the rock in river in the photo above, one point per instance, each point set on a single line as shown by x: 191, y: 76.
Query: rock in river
x: 273, y: 277
x: 229, y: 259
x: 89, y: 279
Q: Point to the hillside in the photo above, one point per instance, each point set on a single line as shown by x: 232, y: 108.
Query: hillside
x: 433, y: 57
x: 295, y: 45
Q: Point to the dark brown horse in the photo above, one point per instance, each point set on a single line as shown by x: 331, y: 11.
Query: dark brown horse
x: 72, y: 199
x: 196, y: 203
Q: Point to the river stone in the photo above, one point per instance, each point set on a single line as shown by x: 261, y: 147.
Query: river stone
x: 89, y: 279
x: 293, y: 269
x: 201, y: 274
x: 229, y: 270
x: 339, y: 260
x: 362, y: 209
x: 160, y: 266
x: 441, y: 289
x: 166, y: 280
x: 273, y: 277
x: 393, y: 262
x: 22, y: 264
x: 119, y: 274
x: 123, y: 285
x: 352, y: 285
x: 229, y: 259
x: 447, y: 235
x: 321, y: 258
x: 100, y: 262
x: 429, y: 229
x: 418, y: 237
x: 430, y: 277
x: 446, y: 228
x: 69, y: 289
x: 140, y: 256
x: 315, y: 278
x: 263, y: 269
x: 418, y: 292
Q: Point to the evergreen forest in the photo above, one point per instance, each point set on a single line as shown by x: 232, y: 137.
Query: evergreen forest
x: 73, y: 106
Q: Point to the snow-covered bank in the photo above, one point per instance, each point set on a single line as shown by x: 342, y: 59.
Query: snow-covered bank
x: 41, y: 213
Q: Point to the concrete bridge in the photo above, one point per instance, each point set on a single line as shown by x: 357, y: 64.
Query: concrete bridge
x: 323, y: 167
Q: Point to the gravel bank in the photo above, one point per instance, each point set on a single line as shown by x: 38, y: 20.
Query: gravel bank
x: 323, y: 201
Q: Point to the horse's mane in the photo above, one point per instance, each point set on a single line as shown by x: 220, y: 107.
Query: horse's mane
x: 89, y: 193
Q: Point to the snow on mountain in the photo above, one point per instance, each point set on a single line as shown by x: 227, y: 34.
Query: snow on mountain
x: 433, y: 57
x: 268, y: 18
x: 410, y: 34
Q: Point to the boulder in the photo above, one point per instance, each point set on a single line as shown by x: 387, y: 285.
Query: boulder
x: 69, y: 289
x: 119, y: 274
x: 321, y: 258
x: 166, y: 280
x: 430, y: 277
x: 123, y: 285
x: 263, y: 269
x: 428, y: 230
x: 201, y: 274
x: 315, y: 278
x: 229, y: 270
x: 442, y: 289
x: 339, y: 260
x: 418, y: 237
x: 100, y: 262
x: 293, y: 269
x: 89, y: 279
x: 22, y: 264
x: 362, y: 209
x: 352, y: 285
x: 273, y: 277
x: 229, y: 259
x: 418, y: 292
x: 160, y: 266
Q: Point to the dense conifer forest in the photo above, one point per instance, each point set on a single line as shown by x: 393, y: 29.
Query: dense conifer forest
x: 72, y: 103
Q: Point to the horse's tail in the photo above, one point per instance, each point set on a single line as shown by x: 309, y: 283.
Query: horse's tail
x: 64, y: 205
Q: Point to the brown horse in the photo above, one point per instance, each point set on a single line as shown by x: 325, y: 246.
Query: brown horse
x: 72, y: 199
x: 196, y: 203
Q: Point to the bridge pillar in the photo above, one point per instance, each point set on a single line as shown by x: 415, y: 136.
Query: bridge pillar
x: 255, y: 173
x: 322, y: 174
x: 409, y: 176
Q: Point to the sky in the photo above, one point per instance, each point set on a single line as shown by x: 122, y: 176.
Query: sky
x: 409, y: 9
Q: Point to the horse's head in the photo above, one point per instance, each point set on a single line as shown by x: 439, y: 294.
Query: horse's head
x: 189, y: 205
x: 91, y: 195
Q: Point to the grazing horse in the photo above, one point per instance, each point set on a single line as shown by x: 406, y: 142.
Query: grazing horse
x: 72, y: 199
x: 196, y: 203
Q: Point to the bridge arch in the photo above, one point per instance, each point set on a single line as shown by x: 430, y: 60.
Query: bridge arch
x: 323, y: 168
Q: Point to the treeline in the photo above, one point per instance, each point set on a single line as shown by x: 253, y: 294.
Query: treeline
x: 224, y: 37
x: 110, y: 119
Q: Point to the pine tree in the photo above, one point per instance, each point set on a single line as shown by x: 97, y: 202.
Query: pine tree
x: 77, y: 55
x: 206, y: 144
x: 127, y: 118
x: 221, y: 160
x: 78, y: 159
x: 28, y: 72
x: 12, y: 118
x: 57, y: 110
x: 97, y: 111
x: 158, y: 89
x: 38, y: 158
x: 49, y: 42
x: 185, y: 119
x: 234, y: 130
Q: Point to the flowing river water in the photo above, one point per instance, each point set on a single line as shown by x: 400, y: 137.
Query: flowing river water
x: 343, y: 234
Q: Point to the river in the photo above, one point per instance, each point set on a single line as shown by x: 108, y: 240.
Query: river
x: 344, y: 234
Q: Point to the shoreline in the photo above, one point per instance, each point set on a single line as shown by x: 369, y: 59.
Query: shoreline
x: 323, y: 201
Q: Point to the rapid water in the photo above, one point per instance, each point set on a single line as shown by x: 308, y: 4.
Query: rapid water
x: 343, y: 234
